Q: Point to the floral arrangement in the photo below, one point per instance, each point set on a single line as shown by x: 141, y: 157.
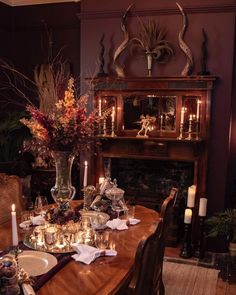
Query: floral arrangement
x: 67, y: 127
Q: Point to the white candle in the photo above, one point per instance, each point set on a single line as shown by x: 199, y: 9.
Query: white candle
x: 198, y: 109
x: 100, y: 107
x: 101, y: 179
x: 161, y: 122
x: 14, y: 226
x: 191, y: 196
x: 182, y: 115
x: 113, y: 114
x: 85, y: 173
x: 202, y: 207
x: 187, y: 216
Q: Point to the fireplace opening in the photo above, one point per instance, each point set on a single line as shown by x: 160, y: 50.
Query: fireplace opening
x: 148, y: 183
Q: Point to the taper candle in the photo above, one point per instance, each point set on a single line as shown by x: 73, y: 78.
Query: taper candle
x: 191, y: 196
x: 101, y: 179
x: 100, y: 107
x: 85, y: 173
x: 14, y: 226
x: 182, y: 115
x: 202, y: 207
x: 198, y: 109
x: 113, y: 114
x: 187, y: 216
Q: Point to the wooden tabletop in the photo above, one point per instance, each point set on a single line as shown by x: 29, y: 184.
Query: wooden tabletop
x: 105, y: 274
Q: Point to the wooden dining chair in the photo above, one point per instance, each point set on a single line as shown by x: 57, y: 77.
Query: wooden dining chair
x: 10, y: 193
x: 148, y: 268
x: 147, y: 263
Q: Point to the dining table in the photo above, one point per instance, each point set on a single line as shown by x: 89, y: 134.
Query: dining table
x: 106, y: 274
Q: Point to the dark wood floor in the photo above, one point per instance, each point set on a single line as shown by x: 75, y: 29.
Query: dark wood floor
x: 223, y: 288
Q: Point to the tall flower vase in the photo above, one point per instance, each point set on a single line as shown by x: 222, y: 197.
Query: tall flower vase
x: 63, y: 192
x: 149, y: 63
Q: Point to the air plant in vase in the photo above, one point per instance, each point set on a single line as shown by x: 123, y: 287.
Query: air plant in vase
x: 151, y: 40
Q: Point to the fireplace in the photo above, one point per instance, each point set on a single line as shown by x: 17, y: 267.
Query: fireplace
x: 149, y: 182
x: 174, y: 153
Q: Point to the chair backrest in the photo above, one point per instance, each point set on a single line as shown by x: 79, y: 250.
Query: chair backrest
x: 147, y: 264
x: 10, y: 193
x: 167, y: 211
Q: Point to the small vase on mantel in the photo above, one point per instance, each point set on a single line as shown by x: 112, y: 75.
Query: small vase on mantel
x: 63, y: 192
x: 149, y: 62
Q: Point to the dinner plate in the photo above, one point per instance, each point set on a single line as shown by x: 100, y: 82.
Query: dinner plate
x: 36, y: 263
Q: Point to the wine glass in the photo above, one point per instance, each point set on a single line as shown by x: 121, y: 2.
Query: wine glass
x: 116, y: 206
x: 40, y: 201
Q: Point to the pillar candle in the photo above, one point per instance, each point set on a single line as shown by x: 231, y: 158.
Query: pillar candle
x: 198, y: 109
x: 187, y: 216
x: 113, y: 114
x: 202, y: 207
x: 182, y: 115
x: 14, y: 226
x: 191, y: 196
x: 100, y: 107
x: 85, y: 173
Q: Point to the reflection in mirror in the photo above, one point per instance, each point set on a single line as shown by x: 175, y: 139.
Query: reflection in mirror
x: 163, y: 108
x: 192, y: 106
x: 106, y: 111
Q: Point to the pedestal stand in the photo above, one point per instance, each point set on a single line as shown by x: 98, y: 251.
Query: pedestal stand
x: 181, y: 129
x: 186, y: 251
x: 199, y: 250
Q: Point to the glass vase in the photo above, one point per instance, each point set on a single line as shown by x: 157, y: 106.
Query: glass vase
x: 63, y: 192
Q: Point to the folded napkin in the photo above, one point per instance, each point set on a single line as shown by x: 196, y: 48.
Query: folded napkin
x: 117, y: 223
x: 133, y: 221
x: 88, y: 254
x: 27, y: 289
x: 37, y: 220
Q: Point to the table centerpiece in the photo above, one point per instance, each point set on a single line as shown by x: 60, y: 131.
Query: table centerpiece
x: 65, y: 131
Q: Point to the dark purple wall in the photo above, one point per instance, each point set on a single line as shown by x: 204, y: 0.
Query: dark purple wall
x: 218, y: 20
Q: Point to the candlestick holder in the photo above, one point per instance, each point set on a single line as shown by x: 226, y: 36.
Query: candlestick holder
x: 197, y: 129
x: 199, y: 249
x: 112, y: 129
x: 189, y: 130
x: 104, y: 127
x: 186, y: 251
x: 181, y: 129
x: 86, y: 203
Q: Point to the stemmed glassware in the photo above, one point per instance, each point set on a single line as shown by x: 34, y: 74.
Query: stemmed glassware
x: 40, y: 201
x: 117, y: 207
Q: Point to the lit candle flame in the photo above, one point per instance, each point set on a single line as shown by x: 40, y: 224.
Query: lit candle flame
x: 13, y: 207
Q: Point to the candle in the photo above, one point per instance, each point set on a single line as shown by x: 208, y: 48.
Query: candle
x: 113, y: 114
x: 101, y: 179
x: 14, y: 226
x: 100, y: 107
x: 85, y: 173
x: 202, y: 207
x: 161, y: 122
x: 182, y: 115
x: 187, y: 216
x: 198, y: 109
x: 190, y: 117
x: 191, y: 196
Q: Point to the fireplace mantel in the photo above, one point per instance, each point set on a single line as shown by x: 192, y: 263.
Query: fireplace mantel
x: 163, y: 98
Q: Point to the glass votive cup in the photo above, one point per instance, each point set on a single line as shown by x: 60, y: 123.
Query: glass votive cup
x: 130, y: 212
x: 102, y: 239
x: 50, y: 236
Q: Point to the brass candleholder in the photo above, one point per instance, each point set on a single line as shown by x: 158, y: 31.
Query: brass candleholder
x: 112, y: 129
x: 197, y: 129
x: 189, y: 130
x: 104, y: 127
x: 181, y: 129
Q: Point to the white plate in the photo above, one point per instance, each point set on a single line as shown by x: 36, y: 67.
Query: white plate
x: 36, y: 263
